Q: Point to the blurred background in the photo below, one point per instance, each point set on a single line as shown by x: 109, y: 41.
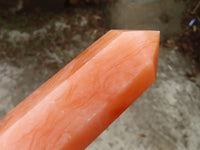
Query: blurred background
x: 37, y: 38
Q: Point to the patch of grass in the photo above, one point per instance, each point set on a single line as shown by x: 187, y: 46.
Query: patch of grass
x: 182, y: 126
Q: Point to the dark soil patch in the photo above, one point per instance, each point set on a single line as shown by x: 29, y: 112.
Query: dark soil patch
x: 84, y: 25
x: 188, y: 41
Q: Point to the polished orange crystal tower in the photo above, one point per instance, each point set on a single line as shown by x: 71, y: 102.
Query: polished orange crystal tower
x: 78, y: 103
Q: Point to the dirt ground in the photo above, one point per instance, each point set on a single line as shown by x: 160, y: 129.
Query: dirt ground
x: 165, y: 117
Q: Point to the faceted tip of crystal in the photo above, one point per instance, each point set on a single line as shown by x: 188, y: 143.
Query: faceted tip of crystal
x: 147, y: 40
x: 150, y: 44
x: 153, y: 49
